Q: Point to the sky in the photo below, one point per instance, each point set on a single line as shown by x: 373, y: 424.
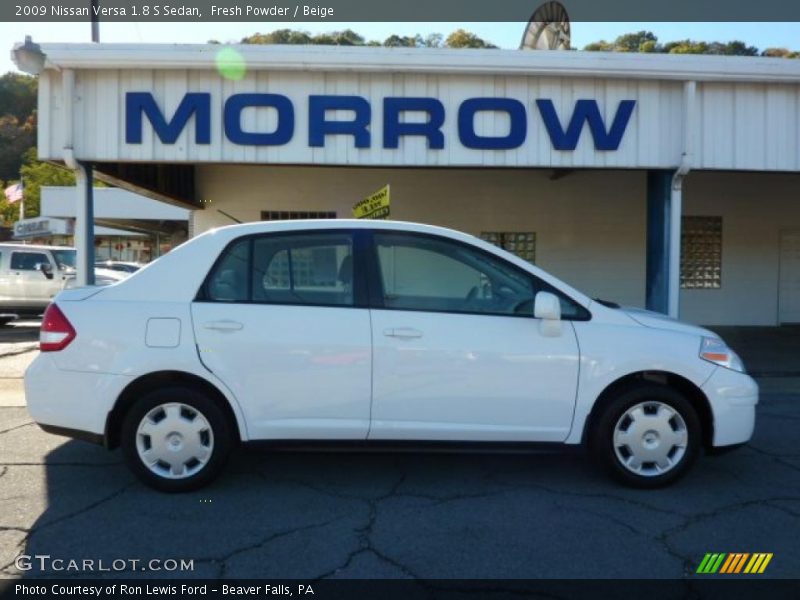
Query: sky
x: 505, y: 35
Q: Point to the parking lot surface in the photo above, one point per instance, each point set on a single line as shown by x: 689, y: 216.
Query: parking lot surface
x: 413, y: 515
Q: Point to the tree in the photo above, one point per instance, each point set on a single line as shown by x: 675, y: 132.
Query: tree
x: 646, y: 41
x: 686, y: 47
x: 18, y: 95
x: 458, y: 39
x: 780, y: 53
x: 279, y: 36
x: 634, y: 42
x: 396, y: 41
x: 35, y: 174
x: 464, y: 39
x: 600, y: 46
x: 15, y: 139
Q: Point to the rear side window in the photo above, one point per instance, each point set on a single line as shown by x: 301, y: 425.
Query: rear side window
x: 27, y: 261
x: 228, y: 281
x: 315, y: 269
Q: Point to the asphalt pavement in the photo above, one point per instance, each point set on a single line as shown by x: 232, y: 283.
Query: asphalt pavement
x: 414, y: 515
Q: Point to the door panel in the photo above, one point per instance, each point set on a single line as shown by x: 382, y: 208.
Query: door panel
x: 278, y: 321
x: 457, y: 354
x: 471, y: 377
x: 32, y: 287
x: 298, y: 372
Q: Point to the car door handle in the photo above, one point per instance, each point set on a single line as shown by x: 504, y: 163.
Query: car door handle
x: 402, y: 332
x: 223, y: 325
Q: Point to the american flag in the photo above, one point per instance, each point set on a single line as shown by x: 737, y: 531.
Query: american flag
x: 14, y: 193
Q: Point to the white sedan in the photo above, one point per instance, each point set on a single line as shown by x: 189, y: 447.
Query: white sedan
x: 375, y: 332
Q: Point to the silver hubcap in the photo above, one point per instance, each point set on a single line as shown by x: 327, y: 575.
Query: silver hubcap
x: 174, y: 440
x: 650, y: 439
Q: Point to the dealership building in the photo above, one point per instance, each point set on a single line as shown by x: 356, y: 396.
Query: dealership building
x: 665, y: 181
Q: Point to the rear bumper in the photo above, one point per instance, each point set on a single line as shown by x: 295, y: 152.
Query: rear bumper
x: 72, y: 403
x: 733, y: 397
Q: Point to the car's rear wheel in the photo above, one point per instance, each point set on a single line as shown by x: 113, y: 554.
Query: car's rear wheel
x: 647, y: 437
x: 176, y: 439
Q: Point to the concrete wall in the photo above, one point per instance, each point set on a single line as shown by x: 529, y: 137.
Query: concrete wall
x: 755, y: 208
x: 589, y: 225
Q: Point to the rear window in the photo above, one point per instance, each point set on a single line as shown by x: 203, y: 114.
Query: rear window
x: 314, y: 268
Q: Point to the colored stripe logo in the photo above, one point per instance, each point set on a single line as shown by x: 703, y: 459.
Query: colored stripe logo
x: 734, y: 562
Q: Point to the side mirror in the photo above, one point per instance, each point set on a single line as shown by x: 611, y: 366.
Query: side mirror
x: 547, y: 307
x: 46, y: 269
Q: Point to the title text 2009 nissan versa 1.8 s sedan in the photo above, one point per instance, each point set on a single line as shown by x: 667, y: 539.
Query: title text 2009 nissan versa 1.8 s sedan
x: 374, y: 331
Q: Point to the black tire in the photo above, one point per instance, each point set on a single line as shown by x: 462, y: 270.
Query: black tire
x: 219, y: 432
x: 604, y: 450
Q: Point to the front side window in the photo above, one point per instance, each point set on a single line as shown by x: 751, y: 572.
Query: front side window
x: 314, y: 268
x: 28, y: 261
x: 426, y: 273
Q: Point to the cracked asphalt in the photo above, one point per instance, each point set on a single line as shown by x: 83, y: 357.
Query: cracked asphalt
x: 312, y: 515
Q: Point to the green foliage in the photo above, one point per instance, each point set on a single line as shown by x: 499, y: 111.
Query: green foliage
x: 646, y: 41
x: 780, y: 53
x: 348, y: 37
x: 633, y: 42
x: 15, y: 139
x: 18, y: 95
x: 17, y: 121
x: 35, y: 174
x: 464, y: 39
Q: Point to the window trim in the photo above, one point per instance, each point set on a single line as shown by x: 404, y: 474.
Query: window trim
x: 360, y: 295
x: 375, y: 280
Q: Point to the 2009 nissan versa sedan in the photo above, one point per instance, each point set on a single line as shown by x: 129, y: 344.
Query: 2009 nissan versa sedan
x: 375, y: 332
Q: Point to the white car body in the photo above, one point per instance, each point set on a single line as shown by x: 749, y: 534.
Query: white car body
x: 296, y: 372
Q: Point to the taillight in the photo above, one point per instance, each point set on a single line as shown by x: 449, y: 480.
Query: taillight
x: 56, y: 332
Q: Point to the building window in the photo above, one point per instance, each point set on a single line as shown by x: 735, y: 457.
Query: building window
x: 521, y: 243
x: 286, y: 215
x: 701, y: 253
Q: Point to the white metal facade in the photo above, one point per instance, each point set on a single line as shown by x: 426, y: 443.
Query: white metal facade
x: 742, y: 117
x: 746, y: 113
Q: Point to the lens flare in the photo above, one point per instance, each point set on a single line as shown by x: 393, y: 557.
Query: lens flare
x: 230, y: 64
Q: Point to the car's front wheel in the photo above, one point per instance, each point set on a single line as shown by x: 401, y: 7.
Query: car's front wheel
x: 647, y: 437
x: 176, y: 439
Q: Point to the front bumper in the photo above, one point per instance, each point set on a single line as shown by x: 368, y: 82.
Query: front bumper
x: 733, y: 397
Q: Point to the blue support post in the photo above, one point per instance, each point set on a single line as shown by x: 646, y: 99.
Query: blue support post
x: 659, y: 200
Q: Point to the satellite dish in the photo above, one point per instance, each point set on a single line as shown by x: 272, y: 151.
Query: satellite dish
x: 548, y: 28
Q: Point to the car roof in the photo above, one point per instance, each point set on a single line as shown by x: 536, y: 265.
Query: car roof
x: 322, y: 224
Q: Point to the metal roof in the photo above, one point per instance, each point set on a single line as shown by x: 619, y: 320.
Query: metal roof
x: 34, y: 58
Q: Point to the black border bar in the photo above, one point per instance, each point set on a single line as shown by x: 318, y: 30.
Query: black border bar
x: 713, y: 587
x: 333, y: 11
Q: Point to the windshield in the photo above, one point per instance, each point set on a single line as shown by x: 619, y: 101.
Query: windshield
x: 65, y: 259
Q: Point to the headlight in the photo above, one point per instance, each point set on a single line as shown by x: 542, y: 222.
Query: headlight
x: 716, y: 351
